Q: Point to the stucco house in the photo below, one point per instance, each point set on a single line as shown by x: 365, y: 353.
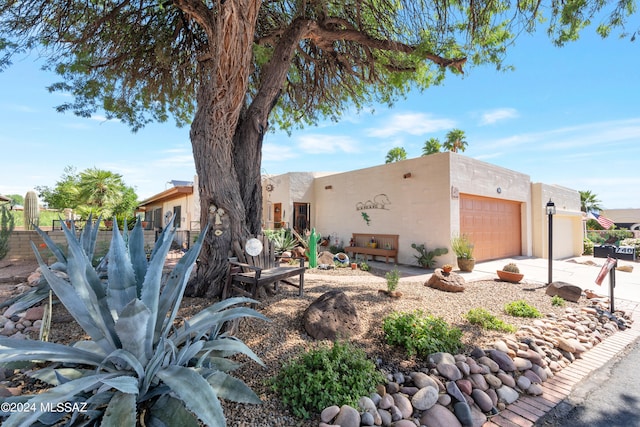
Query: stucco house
x: 624, y: 218
x: 428, y: 200
x: 179, y: 200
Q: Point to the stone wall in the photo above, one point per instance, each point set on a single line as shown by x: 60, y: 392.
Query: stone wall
x: 20, y: 248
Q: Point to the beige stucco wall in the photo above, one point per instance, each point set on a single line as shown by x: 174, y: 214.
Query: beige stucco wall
x: 419, y: 199
x: 567, y: 222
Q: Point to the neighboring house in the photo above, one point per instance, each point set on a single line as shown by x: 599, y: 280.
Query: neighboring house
x: 179, y: 201
x: 4, y: 199
x: 624, y: 218
x: 428, y: 200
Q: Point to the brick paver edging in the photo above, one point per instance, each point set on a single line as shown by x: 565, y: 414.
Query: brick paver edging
x: 527, y: 410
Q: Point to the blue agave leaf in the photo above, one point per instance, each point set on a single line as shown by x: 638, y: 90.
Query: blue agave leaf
x: 137, y: 254
x: 16, y: 350
x: 230, y: 388
x: 121, y: 288
x: 171, y: 297
x: 231, y: 346
x: 121, y: 411
x: 51, y: 246
x: 195, y: 392
x: 77, y: 307
x: 60, y: 394
x: 133, y: 329
x: 123, y: 383
x: 168, y: 411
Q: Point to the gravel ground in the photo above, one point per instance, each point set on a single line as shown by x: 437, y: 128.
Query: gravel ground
x: 284, y: 337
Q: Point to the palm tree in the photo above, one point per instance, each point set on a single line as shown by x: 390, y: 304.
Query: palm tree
x: 396, y: 154
x: 455, y: 141
x: 101, y: 190
x: 431, y: 146
x: 589, y: 201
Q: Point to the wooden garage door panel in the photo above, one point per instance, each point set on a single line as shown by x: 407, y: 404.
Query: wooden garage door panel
x: 493, y: 225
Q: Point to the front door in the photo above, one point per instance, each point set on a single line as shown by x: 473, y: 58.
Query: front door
x: 301, y: 217
x: 277, y: 215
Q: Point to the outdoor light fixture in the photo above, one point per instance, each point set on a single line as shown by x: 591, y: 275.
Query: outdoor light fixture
x: 551, y: 211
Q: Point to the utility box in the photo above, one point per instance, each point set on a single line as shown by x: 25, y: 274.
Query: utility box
x: 627, y: 253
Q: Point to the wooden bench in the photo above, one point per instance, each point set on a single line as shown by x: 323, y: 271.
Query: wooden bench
x: 247, y: 278
x: 385, y: 245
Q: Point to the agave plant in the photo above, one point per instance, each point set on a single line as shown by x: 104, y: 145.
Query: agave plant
x: 139, y: 366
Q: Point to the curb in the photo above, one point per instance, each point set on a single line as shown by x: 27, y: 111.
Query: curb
x: 527, y: 410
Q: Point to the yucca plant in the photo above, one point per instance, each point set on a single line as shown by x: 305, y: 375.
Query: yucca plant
x: 139, y: 367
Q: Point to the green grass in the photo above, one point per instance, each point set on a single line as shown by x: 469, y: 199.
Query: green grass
x: 486, y: 320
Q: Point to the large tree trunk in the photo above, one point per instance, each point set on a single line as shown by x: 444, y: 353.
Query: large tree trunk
x: 227, y: 148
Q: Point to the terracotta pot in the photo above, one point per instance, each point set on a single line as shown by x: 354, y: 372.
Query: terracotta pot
x: 508, y: 276
x: 466, y: 264
x: 447, y: 269
x: 354, y: 266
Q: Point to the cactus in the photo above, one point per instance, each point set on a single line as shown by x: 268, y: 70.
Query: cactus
x: 511, y: 268
x: 31, y: 211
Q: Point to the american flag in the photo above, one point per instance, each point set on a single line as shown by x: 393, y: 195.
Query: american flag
x: 605, y: 222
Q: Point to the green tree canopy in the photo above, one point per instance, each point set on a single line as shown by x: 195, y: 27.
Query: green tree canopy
x: 455, y: 141
x: 16, y: 199
x: 231, y: 68
x: 395, y: 155
x: 93, y: 190
x: 431, y: 146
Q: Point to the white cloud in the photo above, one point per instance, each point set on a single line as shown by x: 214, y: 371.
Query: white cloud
x: 326, y: 144
x: 493, y: 116
x: 274, y: 152
x: 412, y: 124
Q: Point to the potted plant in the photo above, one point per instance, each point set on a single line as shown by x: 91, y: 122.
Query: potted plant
x: 425, y: 258
x: 463, y: 248
x: 510, y: 273
x: 393, y: 277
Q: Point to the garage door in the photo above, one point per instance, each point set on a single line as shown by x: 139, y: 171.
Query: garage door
x: 493, y: 225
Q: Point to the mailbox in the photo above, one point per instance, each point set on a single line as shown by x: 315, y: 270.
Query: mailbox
x: 627, y: 253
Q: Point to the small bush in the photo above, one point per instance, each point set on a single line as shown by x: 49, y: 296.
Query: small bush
x: 521, y: 308
x: 421, y: 334
x: 486, y: 320
x: 337, y: 375
x: 364, y: 266
x: 557, y: 301
x: 632, y: 242
x: 393, y: 277
x: 587, y: 247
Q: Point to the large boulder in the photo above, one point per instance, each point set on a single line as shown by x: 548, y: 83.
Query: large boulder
x: 450, y: 282
x: 565, y: 290
x: 332, y: 316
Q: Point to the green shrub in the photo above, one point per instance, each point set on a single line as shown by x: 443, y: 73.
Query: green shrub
x: 486, y: 320
x: 420, y: 333
x: 557, y: 301
x: 521, y: 308
x: 596, y: 238
x: 364, y: 266
x: 393, y: 277
x: 587, y: 247
x: 337, y: 375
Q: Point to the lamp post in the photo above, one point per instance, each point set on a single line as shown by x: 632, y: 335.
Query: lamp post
x: 551, y: 211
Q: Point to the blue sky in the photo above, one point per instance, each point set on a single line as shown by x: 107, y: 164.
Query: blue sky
x: 568, y: 116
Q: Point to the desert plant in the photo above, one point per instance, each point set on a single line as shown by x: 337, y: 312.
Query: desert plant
x: 511, y: 268
x: 420, y: 333
x: 521, y: 308
x: 6, y: 228
x: 138, y: 367
x: 282, y: 239
x: 393, y: 277
x: 31, y: 211
x: 557, y: 301
x: 325, y: 376
x: 631, y: 242
x: 426, y: 258
x: 486, y: 320
x: 587, y: 247
x: 462, y: 246
x: 364, y: 266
